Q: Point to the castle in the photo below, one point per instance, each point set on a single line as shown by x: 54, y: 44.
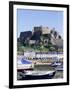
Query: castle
x: 42, y: 35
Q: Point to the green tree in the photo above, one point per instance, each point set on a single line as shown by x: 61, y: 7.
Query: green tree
x: 21, y: 49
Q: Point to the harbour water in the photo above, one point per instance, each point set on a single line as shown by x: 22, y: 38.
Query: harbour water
x: 58, y: 74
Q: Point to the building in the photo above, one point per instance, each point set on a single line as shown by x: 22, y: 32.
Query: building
x: 32, y: 42
x: 43, y: 35
x: 43, y: 30
x: 25, y: 35
x: 55, y: 34
x: 29, y: 54
x: 56, y: 39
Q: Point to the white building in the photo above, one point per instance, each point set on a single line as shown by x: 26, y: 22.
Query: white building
x: 38, y: 55
x: 29, y: 54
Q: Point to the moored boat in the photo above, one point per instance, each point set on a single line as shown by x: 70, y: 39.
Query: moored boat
x: 29, y: 75
x: 24, y: 64
x: 54, y: 64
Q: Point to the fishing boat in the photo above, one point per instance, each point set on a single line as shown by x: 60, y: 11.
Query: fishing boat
x: 29, y: 75
x: 54, y: 64
x: 24, y: 64
x: 59, y: 68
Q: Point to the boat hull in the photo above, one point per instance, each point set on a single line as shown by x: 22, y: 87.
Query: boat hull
x: 34, y: 77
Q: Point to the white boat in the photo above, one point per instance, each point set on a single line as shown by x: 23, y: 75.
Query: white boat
x: 34, y: 73
x: 28, y: 75
x: 59, y: 68
x: 24, y: 64
x: 56, y: 64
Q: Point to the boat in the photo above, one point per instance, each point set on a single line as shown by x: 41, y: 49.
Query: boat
x: 31, y: 75
x: 59, y: 68
x: 24, y: 64
x: 55, y: 64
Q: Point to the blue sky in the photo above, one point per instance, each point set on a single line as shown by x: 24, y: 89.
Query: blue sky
x: 27, y: 19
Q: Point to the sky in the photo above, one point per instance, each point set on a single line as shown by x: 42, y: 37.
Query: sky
x: 27, y: 19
